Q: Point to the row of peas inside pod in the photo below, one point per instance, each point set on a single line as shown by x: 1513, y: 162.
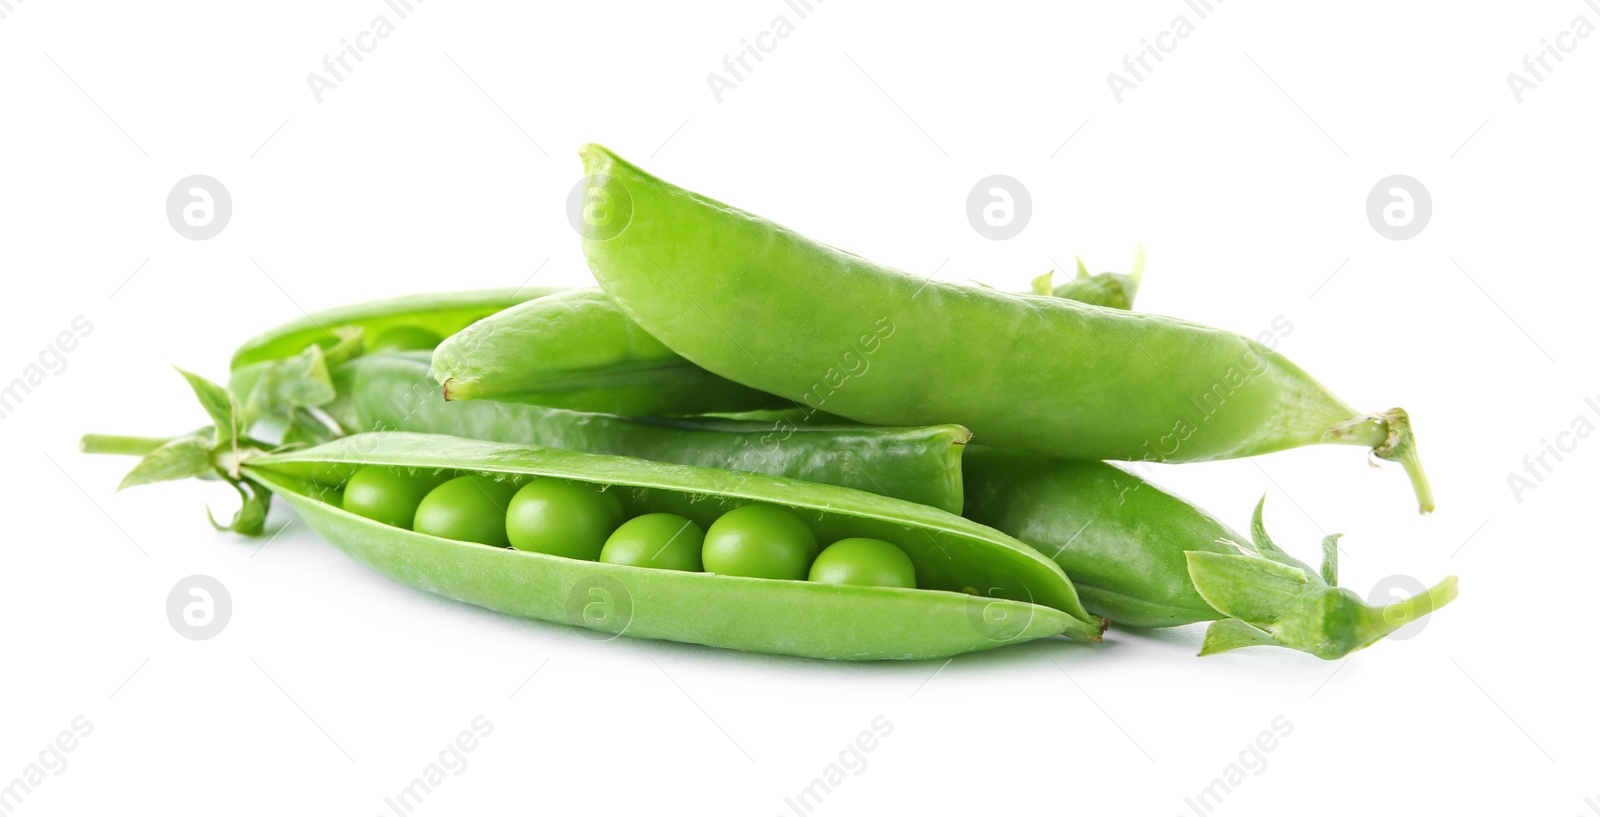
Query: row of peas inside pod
x: 588, y: 522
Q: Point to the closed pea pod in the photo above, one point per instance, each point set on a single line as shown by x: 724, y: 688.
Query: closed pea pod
x: 764, y: 306
x: 410, y: 318
x: 393, y: 391
x: 921, y: 464
x: 1145, y: 558
x: 577, y: 350
x: 283, y: 373
x: 404, y: 339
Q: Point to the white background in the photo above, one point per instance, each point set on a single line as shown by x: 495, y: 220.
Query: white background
x: 443, y: 162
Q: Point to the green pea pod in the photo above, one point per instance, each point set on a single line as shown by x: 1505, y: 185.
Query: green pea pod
x: 922, y: 465
x: 1028, y: 597
x: 577, y: 350
x: 440, y: 314
x: 1113, y: 290
x: 283, y: 373
x: 766, y: 307
x: 1143, y: 557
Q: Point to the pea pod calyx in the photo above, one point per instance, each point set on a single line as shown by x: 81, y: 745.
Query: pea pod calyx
x: 1113, y: 290
x: 1272, y: 598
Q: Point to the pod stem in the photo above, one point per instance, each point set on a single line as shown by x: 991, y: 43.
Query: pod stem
x: 1378, y: 622
x: 216, y: 451
x: 1389, y: 434
x: 121, y: 445
x: 1269, y: 598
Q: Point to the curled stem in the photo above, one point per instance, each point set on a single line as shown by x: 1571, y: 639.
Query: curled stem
x: 1390, y: 437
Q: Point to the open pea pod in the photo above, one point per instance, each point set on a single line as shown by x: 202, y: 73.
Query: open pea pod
x: 976, y: 588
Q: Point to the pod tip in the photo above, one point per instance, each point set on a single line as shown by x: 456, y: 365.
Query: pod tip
x: 454, y: 389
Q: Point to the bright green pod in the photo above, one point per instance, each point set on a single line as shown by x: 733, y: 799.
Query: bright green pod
x: 765, y: 306
x: 347, y: 327
x: 1120, y: 538
x: 576, y: 350
x: 1143, y: 557
x: 977, y: 588
x: 922, y: 464
x: 282, y: 374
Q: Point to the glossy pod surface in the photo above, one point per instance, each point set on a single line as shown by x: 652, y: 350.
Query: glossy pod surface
x: 1120, y: 538
x: 922, y: 465
x: 577, y: 350
x: 765, y: 306
x: 954, y: 559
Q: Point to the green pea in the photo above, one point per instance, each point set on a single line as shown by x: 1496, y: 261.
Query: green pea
x: 760, y: 541
x: 468, y: 509
x: 387, y: 495
x: 570, y: 519
x: 665, y: 541
x: 864, y: 562
x: 404, y: 339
